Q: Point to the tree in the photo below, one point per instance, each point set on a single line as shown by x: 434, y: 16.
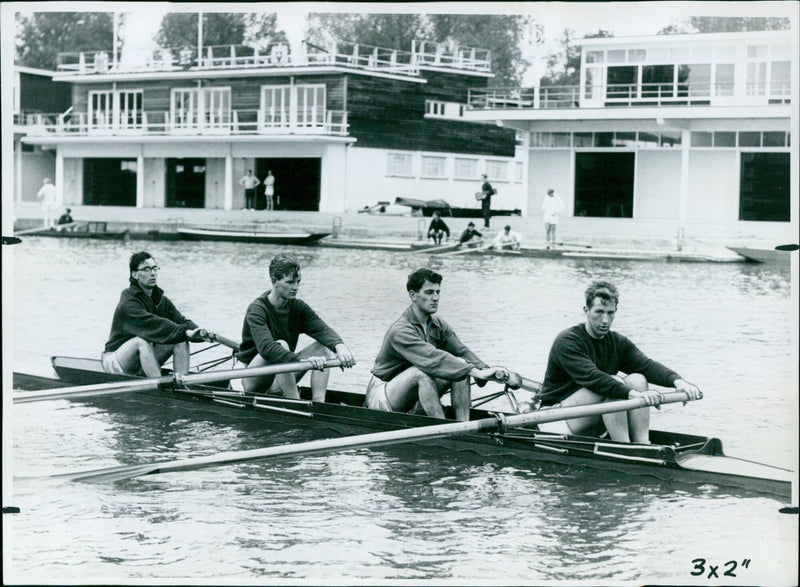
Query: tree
x: 728, y: 24
x: 44, y: 35
x: 502, y: 34
x: 179, y: 29
x: 564, y: 66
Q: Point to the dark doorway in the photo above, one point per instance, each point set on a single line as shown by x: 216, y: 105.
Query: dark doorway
x: 604, y: 184
x: 186, y: 183
x: 764, y: 187
x: 109, y: 182
x: 297, y: 183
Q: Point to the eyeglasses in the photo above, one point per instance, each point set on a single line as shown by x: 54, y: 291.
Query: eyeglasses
x: 149, y: 268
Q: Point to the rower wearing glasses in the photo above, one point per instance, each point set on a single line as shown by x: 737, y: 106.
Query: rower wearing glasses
x: 272, y: 325
x: 147, y: 327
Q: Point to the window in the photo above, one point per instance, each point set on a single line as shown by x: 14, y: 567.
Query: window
x: 774, y: 139
x: 583, y: 139
x: 550, y: 139
x: 622, y: 81
x: 497, y: 170
x: 670, y: 139
x: 757, y: 51
x: 466, y: 168
x: 625, y: 139
x: 723, y: 83
x: 647, y: 140
x: 518, y: 172
x: 780, y: 78
x: 398, y: 164
x: 637, y: 55
x: 701, y: 139
x: 724, y: 139
x: 434, y: 108
x: 657, y: 81
x: 594, y: 57
x: 750, y: 139
x: 694, y: 80
x: 616, y: 56
x: 433, y: 166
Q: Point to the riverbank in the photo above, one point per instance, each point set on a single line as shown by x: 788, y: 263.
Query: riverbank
x: 617, y: 236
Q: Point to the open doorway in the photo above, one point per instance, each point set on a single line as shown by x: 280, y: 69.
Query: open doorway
x: 297, y: 183
x: 186, y: 183
x: 604, y: 184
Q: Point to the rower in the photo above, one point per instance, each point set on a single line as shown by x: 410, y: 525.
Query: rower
x: 438, y: 229
x: 507, y: 239
x: 272, y: 324
x: 583, y: 368
x: 147, y: 328
x: 421, y: 358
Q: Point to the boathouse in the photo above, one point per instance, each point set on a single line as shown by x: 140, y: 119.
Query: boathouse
x: 340, y: 127
x: 668, y: 130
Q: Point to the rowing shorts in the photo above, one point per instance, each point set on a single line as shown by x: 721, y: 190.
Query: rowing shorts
x: 111, y: 363
x: 376, y: 398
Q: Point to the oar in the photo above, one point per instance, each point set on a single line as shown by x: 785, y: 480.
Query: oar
x: 468, y: 248
x: 787, y: 247
x: 574, y: 245
x: 225, y: 341
x: 11, y: 240
x: 367, y: 440
x: 435, y: 250
x: 152, y: 383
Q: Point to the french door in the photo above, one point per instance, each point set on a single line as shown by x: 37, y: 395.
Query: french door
x: 201, y: 108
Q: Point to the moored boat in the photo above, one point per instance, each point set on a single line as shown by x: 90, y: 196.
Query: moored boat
x: 768, y: 256
x: 673, y: 456
x: 245, y: 236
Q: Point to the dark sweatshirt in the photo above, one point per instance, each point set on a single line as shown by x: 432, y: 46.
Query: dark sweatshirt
x: 151, y: 317
x: 264, y: 325
x: 577, y: 360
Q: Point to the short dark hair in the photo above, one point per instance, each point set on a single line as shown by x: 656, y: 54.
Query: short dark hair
x: 68, y: 210
x: 603, y: 290
x: 507, y: 227
x: 470, y: 224
x: 283, y: 265
x: 417, y: 279
x: 137, y: 259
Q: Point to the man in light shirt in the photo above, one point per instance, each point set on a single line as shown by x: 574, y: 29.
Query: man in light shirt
x: 249, y: 182
x: 507, y: 239
x: 552, y: 206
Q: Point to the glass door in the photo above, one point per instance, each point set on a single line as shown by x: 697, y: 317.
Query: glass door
x: 185, y: 107
x: 217, y: 108
x: 311, y: 106
x: 101, y: 109
x: 276, y: 107
x: 130, y: 109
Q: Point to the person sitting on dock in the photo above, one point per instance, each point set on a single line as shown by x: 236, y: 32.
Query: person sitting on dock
x: 583, y: 368
x: 438, y: 229
x: 64, y: 219
x: 147, y: 328
x: 421, y: 358
x: 470, y: 235
x: 507, y: 239
x: 272, y: 324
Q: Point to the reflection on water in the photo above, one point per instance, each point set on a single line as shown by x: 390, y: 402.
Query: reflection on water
x: 403, y: 513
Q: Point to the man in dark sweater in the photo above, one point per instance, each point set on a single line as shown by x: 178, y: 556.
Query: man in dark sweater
x: 438, y: 229
x: 147, y: 327
x: 272, y: 325
x: 584, y: 366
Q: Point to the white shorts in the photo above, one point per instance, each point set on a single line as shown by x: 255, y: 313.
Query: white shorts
x: 375, y: 398
x: 111, y: 363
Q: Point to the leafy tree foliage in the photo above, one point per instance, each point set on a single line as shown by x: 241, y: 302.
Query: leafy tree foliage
x: 564, y: 66
x: 179, y: 29
x: 501, y: 34
x: 726, y: 24
x: 45, y: 34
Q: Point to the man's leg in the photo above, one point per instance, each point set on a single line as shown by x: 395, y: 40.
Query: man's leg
x: 257, y: 384
x: 461, y: 399
x: 319, y: 379
x: 486, y: 213
x: 632, y: 426
x: 135, y: 353
x: 581, y: 397
x: 413, y: 385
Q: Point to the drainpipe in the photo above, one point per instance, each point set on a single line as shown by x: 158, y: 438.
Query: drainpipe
x: 684, y: 195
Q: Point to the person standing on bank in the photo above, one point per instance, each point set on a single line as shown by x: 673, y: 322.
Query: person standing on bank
x: 584, y: 366
x: 249, y: 182
x: 147, y: 328
x: 269, y: 190
x: 438, y: 229
x: 552, y: 206
x: 421, y: 358
x: 47, y: 195
x: 273, y: 323
x: 487, y: 191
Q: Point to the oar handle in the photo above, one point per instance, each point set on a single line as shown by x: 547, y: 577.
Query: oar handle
x: 211, y: 376
x: 225, y: 341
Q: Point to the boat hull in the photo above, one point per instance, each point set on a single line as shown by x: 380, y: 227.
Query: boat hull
x: 768, y: 256
x: 673, y: 457
x: 240, y: 236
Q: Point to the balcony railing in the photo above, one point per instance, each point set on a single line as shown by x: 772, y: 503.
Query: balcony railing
x: 680, y: 94
x: 165, y: 123
x: 276, y: 55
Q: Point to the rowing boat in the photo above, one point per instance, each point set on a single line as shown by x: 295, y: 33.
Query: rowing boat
x: 676, y: 457
x: 245, y: 236
x: 768, y: 256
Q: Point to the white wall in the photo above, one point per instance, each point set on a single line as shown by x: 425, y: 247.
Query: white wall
x: 550, y: 169
x: 713, y: 186
x: 73, y: 181
x: 367, y: 182
x: 155, y: 180
x: 215, y: 183
x: 657, y: 193
x: 34, y: 168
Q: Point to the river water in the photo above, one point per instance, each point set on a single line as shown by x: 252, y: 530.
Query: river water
x: 403, y: 514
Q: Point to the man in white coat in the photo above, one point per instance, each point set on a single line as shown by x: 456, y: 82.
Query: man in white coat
x: 47, y: 195
x: 552, y: 206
